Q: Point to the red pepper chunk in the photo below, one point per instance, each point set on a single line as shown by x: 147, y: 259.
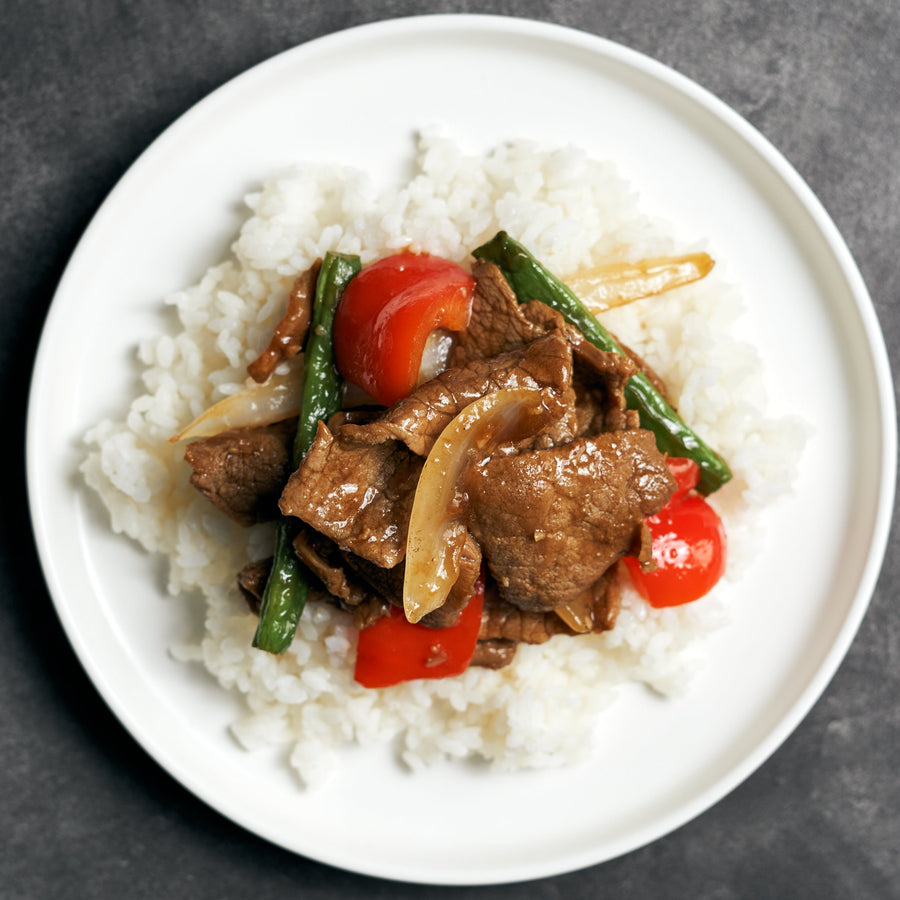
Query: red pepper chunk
x: 386, y: 314
x: 393, y: 650
x: 689, y: 546
x: 686, y: 473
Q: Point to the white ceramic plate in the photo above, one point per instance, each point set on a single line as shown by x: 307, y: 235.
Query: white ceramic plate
x: 357, y: 97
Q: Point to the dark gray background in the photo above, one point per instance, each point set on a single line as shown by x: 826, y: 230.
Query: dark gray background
x: 84, y: 88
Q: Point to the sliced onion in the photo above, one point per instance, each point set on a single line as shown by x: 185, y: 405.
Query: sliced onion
x: 437, y: 529
x: 257, y: 404
x: 435, y: 354
x: 616, y: 284
x: 578, y: 614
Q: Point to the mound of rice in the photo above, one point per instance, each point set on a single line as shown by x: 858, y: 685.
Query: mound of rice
x: 543, y: 709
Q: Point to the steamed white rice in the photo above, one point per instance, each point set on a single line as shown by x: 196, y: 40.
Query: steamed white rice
x: 545, y: 708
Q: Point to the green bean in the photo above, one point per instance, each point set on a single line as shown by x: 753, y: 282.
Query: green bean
x: 287, y: 586
x: 531, y: 281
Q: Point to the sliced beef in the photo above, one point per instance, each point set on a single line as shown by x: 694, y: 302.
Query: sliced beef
x: 370, y: 611
x: 552, y: 515
x: 551, y: 522
x: 389, y: 583
x: 599, y: 376
x: 323, y: 558
x: 290, y: 332
x: 501, y: 620
x: 600, y: 380
x: 498, y: 323
x: 354, y: 416
x: 504, y: 626
x: 358, y: 494
x: 356, y: 484
x: 242, y: 471
x: 605, y: 598
x: 360, y: 587
x: 251, y: 582
x: 365, y: 606
x: 418, y: 419
x: 493, y: 654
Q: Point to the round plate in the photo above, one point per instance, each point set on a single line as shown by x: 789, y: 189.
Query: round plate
x: 357, y: 97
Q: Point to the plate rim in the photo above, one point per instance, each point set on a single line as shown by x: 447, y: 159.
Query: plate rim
x: 537, y: 29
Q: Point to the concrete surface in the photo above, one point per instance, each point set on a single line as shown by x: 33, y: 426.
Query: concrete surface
x: 84, y: 88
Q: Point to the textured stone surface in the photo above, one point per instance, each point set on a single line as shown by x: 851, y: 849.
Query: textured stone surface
x: 83, y: 89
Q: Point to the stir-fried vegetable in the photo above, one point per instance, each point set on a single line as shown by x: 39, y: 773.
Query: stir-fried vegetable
x: 372, y: 329
x: 689, y: 545
x: 258, y: 404
x: 577, y: 614
x: 688, y: 550
x: 437, y: 527
x: 686, y: 474
x: 386, y: 315
x: 615, y: 284
x: 290, y: 333
x: 531, y: 281
x: 287, y: 587
x: 392, y: 650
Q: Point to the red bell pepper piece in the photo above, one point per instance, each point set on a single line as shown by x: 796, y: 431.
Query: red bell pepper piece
x: 393, y: 650
x: 386, y: 315
x: 686, y: 473
x: 689, y: 546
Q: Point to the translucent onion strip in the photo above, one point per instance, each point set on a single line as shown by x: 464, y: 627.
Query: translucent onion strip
x: 616, y: 284
x: 435, y: 354
x: 578, y: 614
x: 257, y: 404
x: 437, y: 528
